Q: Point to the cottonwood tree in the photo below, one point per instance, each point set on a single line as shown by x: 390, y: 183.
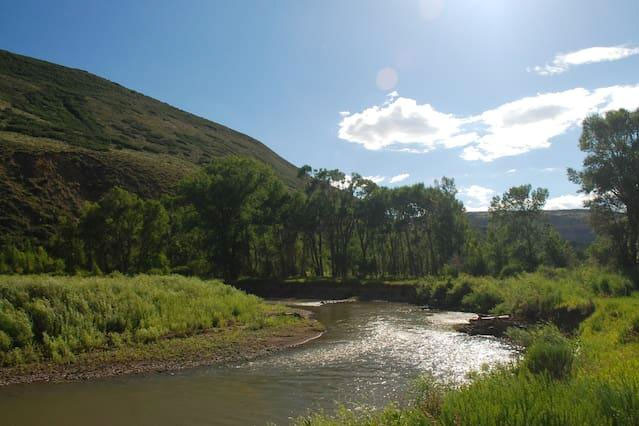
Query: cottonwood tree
x: 610, y: 176
x: 230, y: 196
x: 122, y: 232
x: 516, y: 227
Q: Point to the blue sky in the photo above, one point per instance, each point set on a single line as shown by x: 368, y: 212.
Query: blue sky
x: 489, y: 92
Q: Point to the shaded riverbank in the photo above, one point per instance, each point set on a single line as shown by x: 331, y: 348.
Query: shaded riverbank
x: 559, y: 296
x: 328, y: 289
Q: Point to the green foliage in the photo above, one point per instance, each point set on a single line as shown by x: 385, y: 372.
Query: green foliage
x: 230, y: 197
x: 47, y: 318
x: 509, y: 398
x: 611, y: 176
x: 630, y: 333
x: 517, y: 238
x: 28, y: 260
x: 563, y: 296
x: 548, y: 351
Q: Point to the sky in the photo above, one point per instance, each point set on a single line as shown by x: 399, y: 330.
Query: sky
x: 488, y: 92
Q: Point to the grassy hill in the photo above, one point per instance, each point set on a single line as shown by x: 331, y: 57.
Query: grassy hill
x: 67, y: 136
x: 573, y: 225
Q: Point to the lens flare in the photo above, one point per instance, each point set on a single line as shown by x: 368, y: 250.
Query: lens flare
x: 386, y: 79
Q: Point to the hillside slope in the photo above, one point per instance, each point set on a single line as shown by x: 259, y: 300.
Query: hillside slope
x: 67, y: 136
x: 572, y: 225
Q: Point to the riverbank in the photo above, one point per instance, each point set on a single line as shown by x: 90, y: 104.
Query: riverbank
x: 168, y: 355
x: 563, y: 297
x: 73, y: 328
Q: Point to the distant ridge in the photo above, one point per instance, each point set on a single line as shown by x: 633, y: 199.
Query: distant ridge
x: 67, y: 136
x: 572, y: 225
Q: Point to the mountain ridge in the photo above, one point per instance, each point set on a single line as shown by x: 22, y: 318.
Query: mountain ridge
x: 573, y: 224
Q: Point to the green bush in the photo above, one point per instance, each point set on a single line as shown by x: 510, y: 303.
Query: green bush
x: 548, y: 351
x: 482, y: 300
x: 554, y: 359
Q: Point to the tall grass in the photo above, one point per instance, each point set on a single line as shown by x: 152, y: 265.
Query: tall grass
x: 43, y: 317
x: 545, y: 295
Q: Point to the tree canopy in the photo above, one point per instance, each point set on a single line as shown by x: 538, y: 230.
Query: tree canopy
x: 610, y: 177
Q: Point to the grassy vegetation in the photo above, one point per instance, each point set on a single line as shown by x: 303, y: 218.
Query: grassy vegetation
x: 548, y: 294
x: 68, y: 136
x: 56, y: 318
x: 591, y: 378
x: 561, y: 295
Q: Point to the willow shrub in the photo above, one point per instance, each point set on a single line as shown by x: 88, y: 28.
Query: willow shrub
x: 43, y: 317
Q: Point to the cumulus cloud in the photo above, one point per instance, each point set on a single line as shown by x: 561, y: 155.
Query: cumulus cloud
x: 399, y: 178
x: 514, y: 128
x: 403, y: 124
x: 476, y: 197
x: 563, y: 61
x: 565, y: 202
x: 344, y: 113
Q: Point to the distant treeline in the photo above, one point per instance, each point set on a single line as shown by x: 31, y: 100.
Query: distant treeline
x: 236, y: 218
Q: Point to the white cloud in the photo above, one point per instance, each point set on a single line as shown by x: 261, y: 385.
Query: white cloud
x: 562, y: 62
x: 399, y: 178
x: 511, y: 171
x: 477, y: 198
x: 565, y: 202
x: 343, y: 184
x: 514, y: 128
x: 376, y: 179
x: 549, y: 169
x: 403, y: 124
x: 392, y: 95
x: 344, y: 113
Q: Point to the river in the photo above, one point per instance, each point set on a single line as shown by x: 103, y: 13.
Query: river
x: 370, y: 353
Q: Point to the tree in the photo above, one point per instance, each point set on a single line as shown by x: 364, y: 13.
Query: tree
x: 111, y: 229
x: 230, y: 196
x: 610, y: 176
x: 516, y: 226
x: 155, y: 228
x: 122, y: 233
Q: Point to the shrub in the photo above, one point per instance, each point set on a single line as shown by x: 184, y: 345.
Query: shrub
x: 548, y: 352
x: 482, y: 300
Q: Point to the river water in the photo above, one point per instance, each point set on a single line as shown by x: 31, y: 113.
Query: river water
x: 371, y: 353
